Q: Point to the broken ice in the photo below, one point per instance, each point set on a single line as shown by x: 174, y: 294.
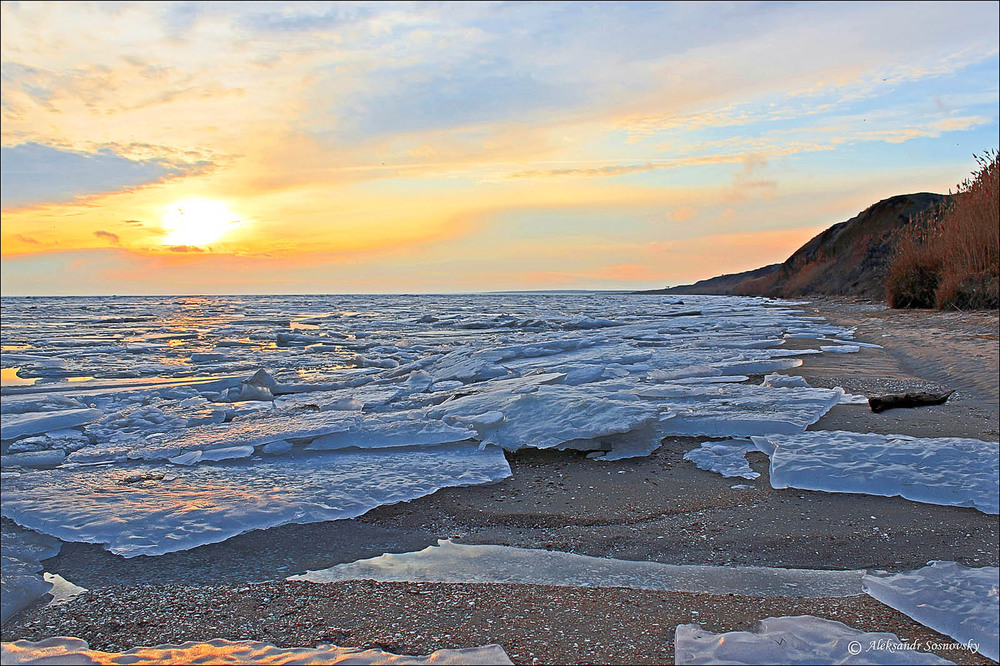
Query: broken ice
x: 155, y: 508
x: 803, y: 639
x: 231, y: 390
x: 958, y: 601
x: 450, y: 562
x: 951, y: 471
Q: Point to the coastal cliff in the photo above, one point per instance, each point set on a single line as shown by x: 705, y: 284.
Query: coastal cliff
x: 850, y: 258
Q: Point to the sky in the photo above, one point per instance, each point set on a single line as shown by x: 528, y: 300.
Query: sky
x: 240, y: 148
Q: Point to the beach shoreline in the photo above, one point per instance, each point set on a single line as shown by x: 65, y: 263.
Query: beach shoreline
x: 657, y: 508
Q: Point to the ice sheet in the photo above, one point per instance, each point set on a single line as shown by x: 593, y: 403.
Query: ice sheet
x: 450, y: 562
x: 957, y: 601
x: 68, y: 650
x: 802, y: 639
x: 941, y: 470
x: 151, y: 509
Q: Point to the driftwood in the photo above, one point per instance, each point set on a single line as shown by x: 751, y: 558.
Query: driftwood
x: 881, y: 403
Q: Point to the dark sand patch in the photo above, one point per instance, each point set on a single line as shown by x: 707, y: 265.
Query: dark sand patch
x: 533, y: 623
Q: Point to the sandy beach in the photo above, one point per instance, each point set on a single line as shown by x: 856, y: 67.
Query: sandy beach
x: 659, y: 508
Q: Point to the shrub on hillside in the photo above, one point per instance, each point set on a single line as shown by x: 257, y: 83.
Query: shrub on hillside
x: 951, y: 259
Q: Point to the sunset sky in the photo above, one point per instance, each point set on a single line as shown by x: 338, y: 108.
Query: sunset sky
x: 160, y: 148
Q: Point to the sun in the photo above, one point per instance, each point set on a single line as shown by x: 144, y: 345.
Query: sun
x: 197, y: 222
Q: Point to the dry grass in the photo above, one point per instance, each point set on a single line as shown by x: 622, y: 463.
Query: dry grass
x: 950, y: 260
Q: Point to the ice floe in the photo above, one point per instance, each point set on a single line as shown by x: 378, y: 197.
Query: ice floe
x: 957, y: 601
x: 450, y: 562
x: 68, y: 650
x: 740, y: 410
x: 21, y: 582
x: 727, y: 458
x: 151, y: 509
x: 802, y: 639
x: 952, y: 471
x: 14, y: 426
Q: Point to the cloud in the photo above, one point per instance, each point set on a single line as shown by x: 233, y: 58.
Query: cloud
x: 108, y: 235
x: 750, y: 181
x: 28, y: 239
x: 684, y: 213
x: 185, y: 248
x: 610, y: 170
x: 37, y: 174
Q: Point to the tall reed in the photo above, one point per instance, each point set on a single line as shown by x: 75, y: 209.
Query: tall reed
x: 950, y: 258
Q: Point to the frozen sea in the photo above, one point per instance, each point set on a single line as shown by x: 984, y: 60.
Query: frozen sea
x: 156, y: 424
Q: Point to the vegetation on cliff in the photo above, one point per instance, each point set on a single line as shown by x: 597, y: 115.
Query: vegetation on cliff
x: 951, y: 259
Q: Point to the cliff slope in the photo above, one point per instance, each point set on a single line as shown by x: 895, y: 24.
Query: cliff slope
x: 849, y: 259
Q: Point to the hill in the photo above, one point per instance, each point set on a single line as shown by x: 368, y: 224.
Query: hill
x: 849, y: 259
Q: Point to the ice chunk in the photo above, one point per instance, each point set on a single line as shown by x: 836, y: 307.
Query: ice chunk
x: 69, y: 650
x: 46, y: 402
x: 840, y: 349
x: 952, y: 471
x: 717, y: 379
x: 247, y: 392
x: 584, y: 375
x: 208, y: 357
x: 958, y: 601
x: 370, y: 431
x: 21, y: 551
x: 673, y: 374
x: 254, y: 431
x: 740, y: 410
x: 553, y: 416
x: 210, y: 503
x: 227, y: 453
x: 784, y: 381
x: 728, y: 458
x: 36, y: 423
x: 802, y: 639
x: 419, y: 381
x: 447, y: 385
x: 262, y: 379
x: 33, y: 458
x: 450, y: 562
x: 189, y: 458
x: 274, y: 448
x: 62, y: 590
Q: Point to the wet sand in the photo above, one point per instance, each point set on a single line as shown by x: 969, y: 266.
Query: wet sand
x: 660, y: 508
